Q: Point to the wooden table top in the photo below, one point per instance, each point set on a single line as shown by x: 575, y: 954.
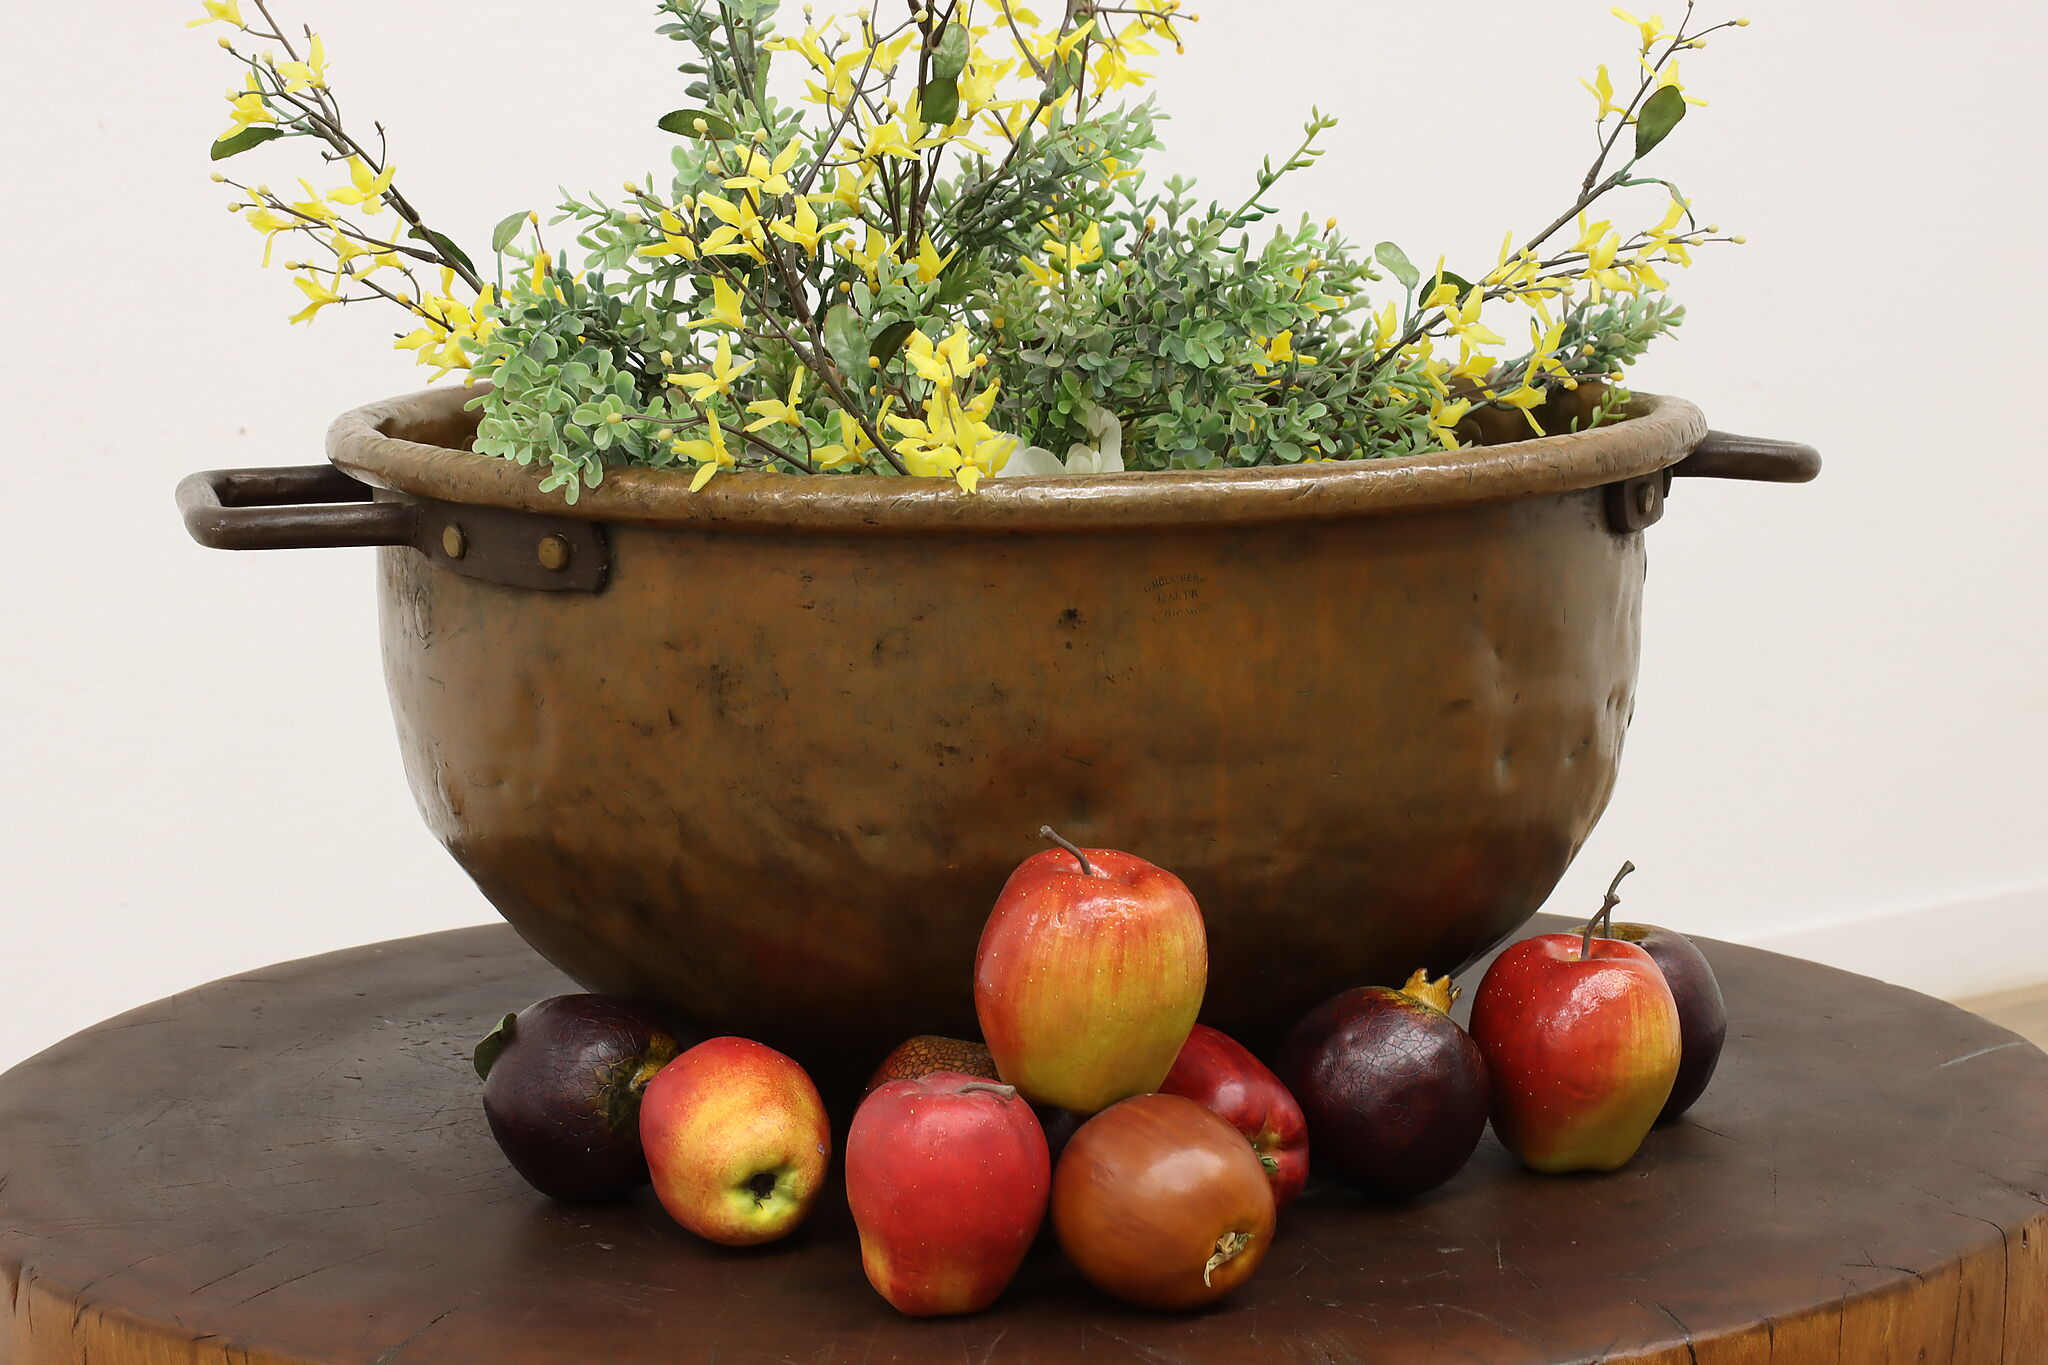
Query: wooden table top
x: 293, y: 1166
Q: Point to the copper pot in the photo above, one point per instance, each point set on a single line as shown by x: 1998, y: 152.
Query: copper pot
x: 765, y: 753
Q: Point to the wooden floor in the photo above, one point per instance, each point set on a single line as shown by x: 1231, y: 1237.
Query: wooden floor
x: 2024, y: 1011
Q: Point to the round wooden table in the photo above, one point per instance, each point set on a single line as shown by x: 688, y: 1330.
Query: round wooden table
x: 293, y: 1166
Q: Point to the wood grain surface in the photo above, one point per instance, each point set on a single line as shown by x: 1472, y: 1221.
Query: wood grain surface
x: 292, y: 1166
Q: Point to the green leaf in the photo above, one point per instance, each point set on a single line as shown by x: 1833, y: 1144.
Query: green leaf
x: 683, y: 123
x: 496, y: 1041
x: 957, y: 279
x: 891, y: 339
x: 949, y: 58
x: 252, y: 136
x: 1660, y: 114
x: 1397, y: 263
x: 504, y: 232
x: 845, y: 340
x: 441, y: 243
x: 938, y: 100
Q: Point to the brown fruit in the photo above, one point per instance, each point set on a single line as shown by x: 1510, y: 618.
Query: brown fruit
x: 1161, y: 1203
x: 928, y: 1052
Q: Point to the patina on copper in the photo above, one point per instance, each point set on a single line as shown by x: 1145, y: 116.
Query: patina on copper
x: 773, y: 774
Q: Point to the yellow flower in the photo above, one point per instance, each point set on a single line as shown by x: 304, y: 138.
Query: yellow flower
x: 246, y: 108
x: 739, y: 232
x: 929, y: 263
x: 220, y: 11
x: 449, y: 322
x: 870, y: 254
x: 953, y: 438
x: 1280, y: 351
x: 1651, y: 28
x: 365, y: 188
x: 710, y: 453
x: 847, y: 449
x: 1602, y: 88
x: 768, y: 177
x: 890, y: 139
x: 725, y: 307
x: 1043, y: 276
x: 804, y: 230
x: 675, y: 239
x: 703, y: 387
x: 784, y: 411
x: 319, y: 294
x: 1087, y: 250
x: 313, y: 206
x: 848, y: 184
x: 309, y: 74
x: 269, y: 223
x: 945, y: 363
x: 1444, y: 418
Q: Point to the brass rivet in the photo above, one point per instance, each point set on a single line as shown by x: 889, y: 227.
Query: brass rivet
x: 554, y: 553
x: 452, y: 542
x: 1646, y: 498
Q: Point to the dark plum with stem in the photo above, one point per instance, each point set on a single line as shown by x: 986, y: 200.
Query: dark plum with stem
x: 1702, y: 1013
x: 562, y: 1085
x: 1394, y: 1091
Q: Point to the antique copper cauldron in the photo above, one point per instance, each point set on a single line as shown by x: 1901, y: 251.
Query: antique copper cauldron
x: 765, y: 753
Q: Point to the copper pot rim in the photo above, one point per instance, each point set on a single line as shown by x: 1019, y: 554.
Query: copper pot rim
x: 1661, y: 432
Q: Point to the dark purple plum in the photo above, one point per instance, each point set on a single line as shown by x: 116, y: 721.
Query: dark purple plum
x: 1393, y: 1090
x: 562, y: 1084
x: 1702, y: 1014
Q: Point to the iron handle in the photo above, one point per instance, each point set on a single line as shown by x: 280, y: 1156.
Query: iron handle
x: 299, y: 507
x: 1724, y: 455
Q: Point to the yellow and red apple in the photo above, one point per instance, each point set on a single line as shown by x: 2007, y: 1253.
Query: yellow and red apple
x: 1089, y: 976
x: 737, y: 1141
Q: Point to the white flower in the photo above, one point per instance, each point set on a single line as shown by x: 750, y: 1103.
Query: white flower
x: 1106, y: 456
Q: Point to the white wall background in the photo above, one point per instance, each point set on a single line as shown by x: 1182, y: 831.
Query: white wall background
x: 1841, y: 743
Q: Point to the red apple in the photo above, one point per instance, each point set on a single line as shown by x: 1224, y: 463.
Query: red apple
x: 1162, y: 1204
x: 1581, y: 1041
x: 1220, y: 1074
x: 737, y: 1141
x: 1089, y: 976
x: 1395, y: 1092
x: 947, y: 1176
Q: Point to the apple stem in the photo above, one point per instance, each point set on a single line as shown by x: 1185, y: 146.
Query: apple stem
x: 1048, y: 832
x: 1008, y: 1092
x: 1604, y: 916
x: 1606, y: 913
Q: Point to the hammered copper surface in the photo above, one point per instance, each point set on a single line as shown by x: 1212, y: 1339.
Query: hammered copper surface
x: 774, y: 780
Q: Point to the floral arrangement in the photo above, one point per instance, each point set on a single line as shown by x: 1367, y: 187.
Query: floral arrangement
x: 936, y: 253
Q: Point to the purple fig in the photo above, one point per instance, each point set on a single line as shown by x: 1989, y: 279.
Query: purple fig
x: 562, y: 1084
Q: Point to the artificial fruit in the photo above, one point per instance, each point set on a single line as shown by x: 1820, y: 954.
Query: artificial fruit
x: 1161, y: 1203
x: 1581, y: 1040
x: 563, y: 1080
x: 1089, y: 975
x: 947, y: 1176
x: 737, y: 1141
x: 1220, y: 1074
x: 1395, y: 1093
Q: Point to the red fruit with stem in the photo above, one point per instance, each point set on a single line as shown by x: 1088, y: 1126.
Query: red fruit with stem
x: 1089, y: 975
x: 1220, y: 1074
x: 948, y: 1177
x: 1581, y: 1039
